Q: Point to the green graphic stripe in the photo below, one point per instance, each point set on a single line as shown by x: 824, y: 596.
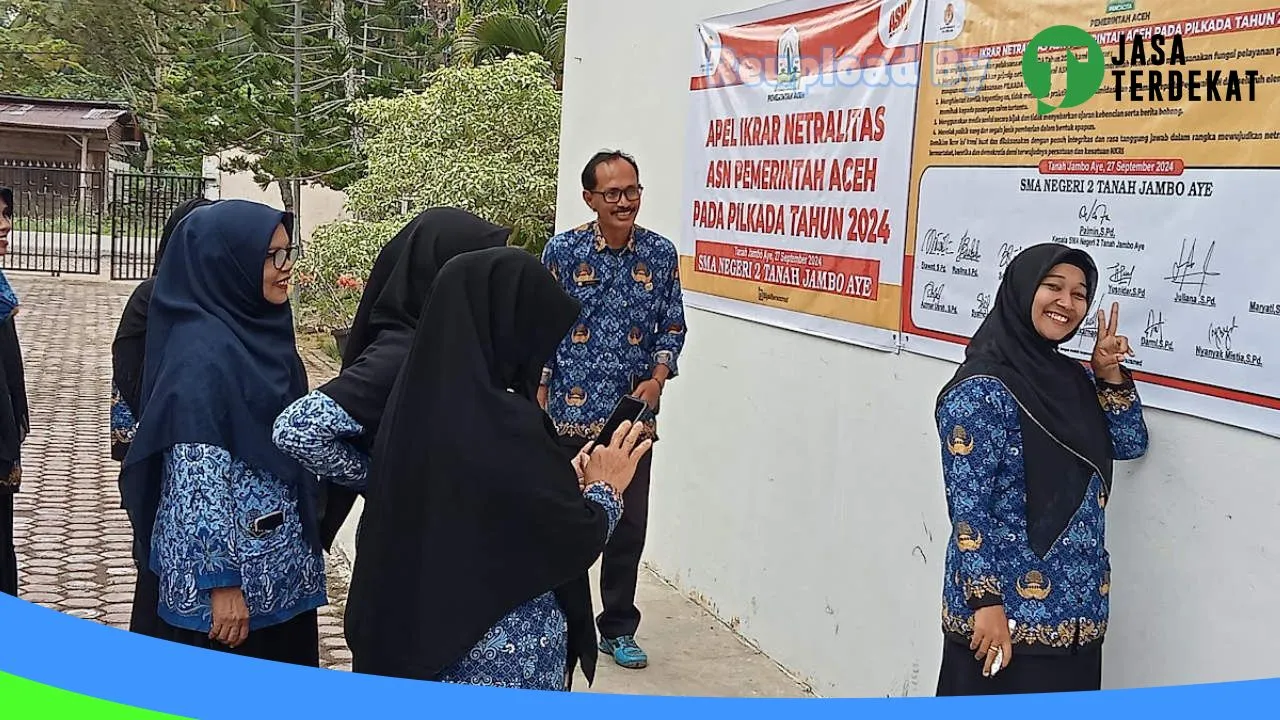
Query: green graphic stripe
x: 21, y: 698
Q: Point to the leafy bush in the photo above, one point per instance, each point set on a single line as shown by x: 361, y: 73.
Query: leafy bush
x: 485, y: 139
x: 338, y: 253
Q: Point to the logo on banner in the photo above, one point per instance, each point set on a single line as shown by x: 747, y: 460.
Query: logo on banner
x: 897, y: 24
x: 709, y: 46
x: 1136, y: 50
x: 787, y: 85
x: 1083, y: 77
x: 944, y: 24
x: 899, y: 19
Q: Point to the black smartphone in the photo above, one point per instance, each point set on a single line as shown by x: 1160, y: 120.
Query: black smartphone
x: 628, y: 408
x: 267, y: 523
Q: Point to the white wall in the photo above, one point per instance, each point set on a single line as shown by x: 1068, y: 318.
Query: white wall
x: 797, y: 487
x: 319, y: 205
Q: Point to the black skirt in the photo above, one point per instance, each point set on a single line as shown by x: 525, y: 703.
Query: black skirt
x: 961, y: 673
x: 295, y: 641
x: 8, y: 554
x: 144, y: 620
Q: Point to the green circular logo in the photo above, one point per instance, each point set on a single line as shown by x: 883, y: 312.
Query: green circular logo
x: 1084, y: 77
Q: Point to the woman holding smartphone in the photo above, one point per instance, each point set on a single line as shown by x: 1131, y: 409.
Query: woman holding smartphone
x: 472, y: 563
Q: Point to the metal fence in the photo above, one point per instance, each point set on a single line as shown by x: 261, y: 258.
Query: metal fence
x: 140, y: 205
x: 57, y: 218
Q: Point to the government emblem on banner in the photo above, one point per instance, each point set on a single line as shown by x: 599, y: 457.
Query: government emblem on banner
x: 788, y: 61
x: 786, y: 85
x: 709, y: 50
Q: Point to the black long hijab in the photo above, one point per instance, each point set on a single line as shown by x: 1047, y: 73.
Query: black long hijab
x: 1064, y: 431
x: 128, y: 348
x: 382, y: 330
x: 221, y: 361
x: 472, y: 507
x: 15, y: 420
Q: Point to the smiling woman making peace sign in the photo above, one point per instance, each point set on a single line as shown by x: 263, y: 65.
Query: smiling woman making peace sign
x: 1028, y: 439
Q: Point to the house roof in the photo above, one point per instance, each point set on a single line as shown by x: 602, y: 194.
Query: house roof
x: 67, y: 115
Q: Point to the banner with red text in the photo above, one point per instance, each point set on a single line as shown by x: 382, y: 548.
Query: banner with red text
x: 797, y: 165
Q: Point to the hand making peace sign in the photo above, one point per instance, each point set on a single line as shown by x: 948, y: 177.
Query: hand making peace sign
x: 1110, y: 349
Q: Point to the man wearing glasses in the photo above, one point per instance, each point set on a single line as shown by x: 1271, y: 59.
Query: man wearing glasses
x: 626, y: 341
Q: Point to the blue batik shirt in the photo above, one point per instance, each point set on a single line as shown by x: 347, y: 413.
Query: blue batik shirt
x: 204, y: 539
x: 123, y: 424
x: 528, y: 648
x: 1057, y: 603
x: 317, y: 432
x: 8, y: 298
x: 632, y: 320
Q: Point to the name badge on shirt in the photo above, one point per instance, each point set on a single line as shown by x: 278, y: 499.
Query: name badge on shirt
x: 585, y: 275
x: 640, y: 273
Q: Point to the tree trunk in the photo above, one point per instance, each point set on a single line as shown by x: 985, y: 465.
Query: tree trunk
x: 286, y: 194
x: 148, y: 132
x: 291, y: 196
x: 150, y: 125
x: 350, y: 86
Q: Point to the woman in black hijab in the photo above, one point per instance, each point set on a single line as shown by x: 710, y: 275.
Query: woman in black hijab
x: 15, y: 420
x: 127, y: 358
x: 331, y: 430
x: 130, y: 341
x: 472, y: 565
x: 224, y: 519
x: 1028, y: 441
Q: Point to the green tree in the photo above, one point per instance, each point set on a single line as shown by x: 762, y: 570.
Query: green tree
x: 490, y: 29
x: 494, y: 152
x: 273, y: 78
x: 36, y: 61
x: 131, y: 51
x: 280, y: 84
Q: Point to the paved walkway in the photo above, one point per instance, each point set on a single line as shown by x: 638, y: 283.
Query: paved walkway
x: 73, y: 540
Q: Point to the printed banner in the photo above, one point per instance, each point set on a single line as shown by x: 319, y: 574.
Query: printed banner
x: 1153, y: 147
x: 797, y: 165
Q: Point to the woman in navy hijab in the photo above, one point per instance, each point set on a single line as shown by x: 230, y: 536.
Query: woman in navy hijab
x: 224, y: 519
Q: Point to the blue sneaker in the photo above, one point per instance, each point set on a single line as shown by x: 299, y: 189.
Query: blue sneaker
x: 625, y: 651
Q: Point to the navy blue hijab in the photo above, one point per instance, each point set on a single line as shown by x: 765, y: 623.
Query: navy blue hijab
x: 221, y: 360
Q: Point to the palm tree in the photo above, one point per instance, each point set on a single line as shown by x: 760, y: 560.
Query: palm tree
x: 490, y: 29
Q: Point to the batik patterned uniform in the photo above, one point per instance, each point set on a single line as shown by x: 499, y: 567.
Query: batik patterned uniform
x: 314, y: 430
x: 123, y: 424
x: 632, y: 320
x: 527, y: 648
x: 1059, y: 602
x: 203, y: 539
x: 13, y: 382
x: 11, y: 478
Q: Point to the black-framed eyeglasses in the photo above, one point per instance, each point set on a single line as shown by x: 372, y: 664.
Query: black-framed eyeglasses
x: 283, y: 256
x: 613, y: 195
